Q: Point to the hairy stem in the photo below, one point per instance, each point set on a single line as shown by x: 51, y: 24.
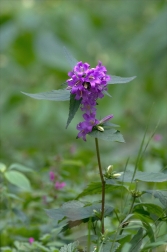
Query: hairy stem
x: 103, y: 186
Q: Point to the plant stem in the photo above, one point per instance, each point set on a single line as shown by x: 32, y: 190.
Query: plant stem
x: 103, y: 186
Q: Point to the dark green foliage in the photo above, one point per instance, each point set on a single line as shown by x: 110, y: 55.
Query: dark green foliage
x: 74, y: 105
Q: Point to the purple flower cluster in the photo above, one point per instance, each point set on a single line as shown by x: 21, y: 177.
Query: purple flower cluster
x: 88, y: 84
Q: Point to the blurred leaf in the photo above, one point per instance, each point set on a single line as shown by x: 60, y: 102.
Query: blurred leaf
x: 158, y: 194
x: 72, y: 61
x: 151, y: 209
x: 154, y: 245
x: 109, y: 245
x: 20, y: 167
x: 74, y: 105
x: 18, y: 179
x: 54, y: 95
x: 107, y: 135
x: 143, y: 176
x: 73, y: 213
x: 120, y: 80
x: 49, y: 49
x: 73, y: 204
x: 72, y: 247
x: 136, y: 241
x: 2, y: 167
x: 8, y: 33
x: 96, y: 188
x: 20, y: 215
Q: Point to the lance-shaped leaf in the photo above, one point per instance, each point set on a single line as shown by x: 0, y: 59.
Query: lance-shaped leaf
x: 108, y: 134
x: 74, y: 105
x: 54, y: 95
x: 120, y: 80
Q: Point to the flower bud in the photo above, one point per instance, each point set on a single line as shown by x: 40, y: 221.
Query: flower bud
x: 116, y: 175
x: 110, y: 169
x: 100, y: 128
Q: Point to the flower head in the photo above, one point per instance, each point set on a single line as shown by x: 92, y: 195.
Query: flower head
x: 59, y: 185
x: 51, y: 176
x: 88, y: 84
x: 31, y: 240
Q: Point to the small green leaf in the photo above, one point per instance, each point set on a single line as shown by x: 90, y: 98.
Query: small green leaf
x: 74, y: 105
x: 54, y: 95
x: 18, y: 179
x: 110, y: 134
x: 120, y: 80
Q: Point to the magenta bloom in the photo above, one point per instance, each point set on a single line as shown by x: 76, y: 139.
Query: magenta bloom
x: 59, y: 185
x: 51, y: 176
x: 88, y: 84
x: 31, y: 240
x: 157, y: 137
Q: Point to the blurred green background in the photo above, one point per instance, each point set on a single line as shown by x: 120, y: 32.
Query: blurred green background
x: 129, y: 37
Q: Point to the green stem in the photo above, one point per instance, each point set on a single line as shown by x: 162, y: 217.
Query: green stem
x: 103, y: 186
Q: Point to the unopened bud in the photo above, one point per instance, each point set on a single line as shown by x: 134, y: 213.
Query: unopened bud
x: 116, y: 175
x: 110, y: 168
x: 100, y: 128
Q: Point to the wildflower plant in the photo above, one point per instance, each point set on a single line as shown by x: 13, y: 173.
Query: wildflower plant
x: 84, y: 87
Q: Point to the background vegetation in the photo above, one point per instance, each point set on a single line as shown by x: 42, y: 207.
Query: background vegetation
x: 130, y: 38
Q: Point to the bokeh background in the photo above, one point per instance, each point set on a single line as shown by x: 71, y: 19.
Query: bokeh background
x: 129, y: 37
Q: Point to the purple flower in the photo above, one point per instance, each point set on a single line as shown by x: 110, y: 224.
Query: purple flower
x: 51, y: 176
x: 106, y: 118
x: 59, y: 185
x: 31, y: 240
x: 88, y: 84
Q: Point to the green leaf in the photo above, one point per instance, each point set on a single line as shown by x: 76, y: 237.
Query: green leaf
x: 108, y: 135
x: 72, y: 204
x: 54, y: 95
x: 74, y: 210
x: 74, y: 105
x: 155, y: 245
x: 143, y: 176
x: 151, y: 208
x: 146, y: 224
x: 72, y: 247
x: 20, y: 215
x: 18, y: 179
x: 108, y: 246
x: 136, y: 241
x: 105, y: 92
x: 158, y: 194
x: 95, y: 188
x: 20, y: 167
x: 120, y: 80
